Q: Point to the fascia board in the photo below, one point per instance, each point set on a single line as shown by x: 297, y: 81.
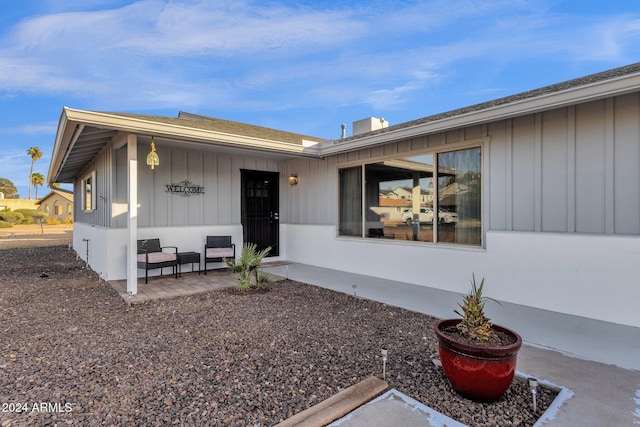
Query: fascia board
x: 66, y: 136
x: 595, y: 91
x: 176, y: 132
x: 57, y: 147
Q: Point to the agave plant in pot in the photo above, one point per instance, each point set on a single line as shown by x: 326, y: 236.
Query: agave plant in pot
x: 478, y: 357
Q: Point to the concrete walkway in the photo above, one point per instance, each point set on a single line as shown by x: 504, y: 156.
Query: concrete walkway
x: 597, y: 363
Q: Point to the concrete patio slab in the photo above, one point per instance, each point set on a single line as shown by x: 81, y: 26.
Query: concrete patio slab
x: 337, y: 405
x: 168, y: 286
x: 394, y: 408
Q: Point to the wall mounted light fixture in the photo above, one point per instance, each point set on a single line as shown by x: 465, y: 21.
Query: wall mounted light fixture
x: 293, y: 179
x: 152, y: 158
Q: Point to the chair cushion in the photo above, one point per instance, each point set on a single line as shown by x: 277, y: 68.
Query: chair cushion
x: 156, y: 257
x: 219, y: 252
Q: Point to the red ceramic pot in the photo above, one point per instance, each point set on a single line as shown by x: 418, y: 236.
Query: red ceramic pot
x: 478, y: 372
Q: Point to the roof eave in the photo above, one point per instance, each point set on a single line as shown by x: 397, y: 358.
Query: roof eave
x: 72, y: 122
x: 590, y: 92
x: 65, y: 136
x: 177, y: 132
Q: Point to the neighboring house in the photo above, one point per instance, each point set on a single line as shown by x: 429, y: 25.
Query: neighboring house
x: 15, y: 204
x: 390, y: 209
x: 58, y: 204
x: 406, y: 193
x: 403, y: 193
x: 545, y: 185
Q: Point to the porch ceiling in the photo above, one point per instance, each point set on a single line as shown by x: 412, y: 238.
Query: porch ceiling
x: 88, y: 144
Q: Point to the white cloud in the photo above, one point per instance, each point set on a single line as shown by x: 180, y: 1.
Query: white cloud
x: 158, y: 28
x: 32, y: 129
x: 612, y: 38
x: 240, y: 28
x: 154, y: 54
x: 129, y: 53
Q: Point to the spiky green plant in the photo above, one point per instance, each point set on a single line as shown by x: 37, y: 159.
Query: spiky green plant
x: 246, y: 266
x: 474, y: 323
x: 262, y: 278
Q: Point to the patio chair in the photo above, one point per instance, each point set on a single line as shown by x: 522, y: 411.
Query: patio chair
x: 217, y: 248
x: 151, y: 256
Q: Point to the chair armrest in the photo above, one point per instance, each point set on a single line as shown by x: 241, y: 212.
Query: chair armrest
x: 175, y: 248
x: 146, y: 254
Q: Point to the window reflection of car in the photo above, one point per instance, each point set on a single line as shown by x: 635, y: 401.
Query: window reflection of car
x: 446, y: 217
x: 426, y: 215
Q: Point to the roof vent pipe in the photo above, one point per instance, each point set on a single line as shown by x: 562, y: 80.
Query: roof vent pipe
x: 344, y: 131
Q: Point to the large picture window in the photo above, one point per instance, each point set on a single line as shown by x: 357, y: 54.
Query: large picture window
x: 398, y: 198
x: 459, y: 194
x: 350, y: 183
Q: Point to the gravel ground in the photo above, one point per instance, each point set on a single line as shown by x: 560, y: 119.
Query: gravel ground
x: 73, y: 353
x: 24, y: 236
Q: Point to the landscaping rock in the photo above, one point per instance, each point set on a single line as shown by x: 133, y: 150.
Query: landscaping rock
x: 68, y: 341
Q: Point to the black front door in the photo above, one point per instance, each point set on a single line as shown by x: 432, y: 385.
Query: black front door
x: 260, y: 209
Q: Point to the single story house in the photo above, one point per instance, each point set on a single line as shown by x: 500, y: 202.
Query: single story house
x: 58, y: 204
x: 544, y: 185
x: 15, y: 204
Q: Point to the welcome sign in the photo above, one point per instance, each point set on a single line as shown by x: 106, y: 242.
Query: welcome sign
x: 184, y: 188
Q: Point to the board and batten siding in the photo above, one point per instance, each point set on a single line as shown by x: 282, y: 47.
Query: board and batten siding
x: 101, y: 214
x: 219, y: 174
x: 573, y: 169
x: 313, y: 200
x: 567, y: 170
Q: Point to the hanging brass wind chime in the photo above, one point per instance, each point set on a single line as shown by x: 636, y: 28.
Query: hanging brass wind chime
x: 152, y: 158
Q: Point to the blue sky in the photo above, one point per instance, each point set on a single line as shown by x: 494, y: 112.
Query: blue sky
x: 304, y: 66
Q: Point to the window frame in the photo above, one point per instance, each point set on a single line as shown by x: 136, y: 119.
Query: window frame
x: 434, y: 151
x: 89, y: 202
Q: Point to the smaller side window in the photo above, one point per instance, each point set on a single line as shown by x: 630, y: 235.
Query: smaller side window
x: 89, y: 192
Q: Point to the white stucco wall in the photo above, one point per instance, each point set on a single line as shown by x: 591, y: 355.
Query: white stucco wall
x: 108, y: 257
x: 560, y: 201
x: 578, y: 274
x: 106, y: 248
x: 584, y: 275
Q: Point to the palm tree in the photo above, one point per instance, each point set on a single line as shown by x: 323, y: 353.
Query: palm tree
x: 37, y: 179
x: 35, y: 154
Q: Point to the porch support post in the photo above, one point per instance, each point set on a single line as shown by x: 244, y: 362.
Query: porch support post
x: 132, y: 218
